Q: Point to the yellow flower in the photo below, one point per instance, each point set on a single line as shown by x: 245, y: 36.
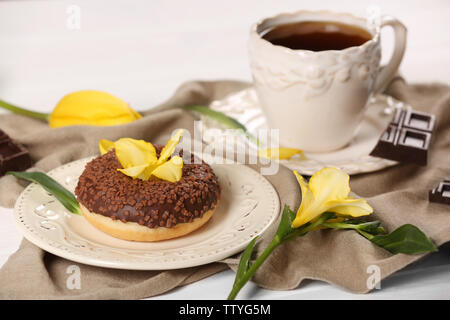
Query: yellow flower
x: 139, y: 160
x: 280, y: 153
x: 90, y: 107
x: 327, y: 191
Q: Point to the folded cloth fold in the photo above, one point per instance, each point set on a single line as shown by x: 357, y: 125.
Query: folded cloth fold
x: 398, y: 196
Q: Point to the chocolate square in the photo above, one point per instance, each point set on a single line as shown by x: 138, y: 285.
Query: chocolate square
x: 13, y: 156
x: 419, y: 120
x: 413, y: 145
x: 441, y: 194
x: 3, y: 136
x: 407, y: 138
x: 386, y: 144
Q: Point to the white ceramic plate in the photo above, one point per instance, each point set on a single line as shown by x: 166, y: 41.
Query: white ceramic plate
x: 354, y: 158
x: 248, y: 205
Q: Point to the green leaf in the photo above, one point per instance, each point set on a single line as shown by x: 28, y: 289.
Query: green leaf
x: 407, y: 239
x: 285, y: 226
x: 64, y: 196
x: 244, y: 263
x: 218, y: 116
x: 222, y: 118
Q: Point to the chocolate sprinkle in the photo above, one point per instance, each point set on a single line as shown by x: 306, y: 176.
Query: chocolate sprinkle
x: 153, y: 203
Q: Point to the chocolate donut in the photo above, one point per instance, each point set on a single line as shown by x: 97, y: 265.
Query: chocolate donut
x: 153, y: 210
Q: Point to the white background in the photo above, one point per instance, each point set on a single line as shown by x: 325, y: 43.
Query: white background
x: 142, y: 51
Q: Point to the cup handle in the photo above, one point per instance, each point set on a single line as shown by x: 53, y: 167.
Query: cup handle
x: 388, y: 71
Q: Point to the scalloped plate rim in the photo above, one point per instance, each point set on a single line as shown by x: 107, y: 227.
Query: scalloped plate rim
x: 86, y: 259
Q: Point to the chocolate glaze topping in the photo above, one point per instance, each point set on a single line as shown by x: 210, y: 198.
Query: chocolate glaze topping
x: 153, y: 203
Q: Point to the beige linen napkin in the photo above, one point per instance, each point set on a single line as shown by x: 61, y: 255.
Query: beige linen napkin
x: 398, y: 195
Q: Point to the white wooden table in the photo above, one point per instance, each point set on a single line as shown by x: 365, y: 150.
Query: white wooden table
x: 142, y: 51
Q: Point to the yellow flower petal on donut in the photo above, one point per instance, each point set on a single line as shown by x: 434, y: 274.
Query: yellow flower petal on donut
x: 148, y: 171
x: 105, y: 146
x: 170, y: 170
x: 133, y: 172
x: 280, y: 153
x: 91, y: 107
x: 132, y: 153
x: 169, y: 148
x: 139, y: 160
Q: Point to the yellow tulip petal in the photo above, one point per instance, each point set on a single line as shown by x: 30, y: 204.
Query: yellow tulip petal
x: 329, y: 184
x: 170, y: 170
x: 167, y: 151
x: 132, y: 153
x: 350, y: 207
x: 134, y: 113
x: 133, y: 172
x: 91, y: 107
x: 280, y: 153
x: 105, y: 146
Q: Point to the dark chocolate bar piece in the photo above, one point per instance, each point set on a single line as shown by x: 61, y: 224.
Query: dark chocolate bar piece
x: 3, y: 136
x: 407, y: 138
x: 13, y: 156
x: 441, y: 194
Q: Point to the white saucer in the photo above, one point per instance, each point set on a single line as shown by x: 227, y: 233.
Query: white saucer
x: 353, y: 159
x: 248, y: 205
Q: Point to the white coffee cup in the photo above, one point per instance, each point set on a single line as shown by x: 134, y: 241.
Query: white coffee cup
x: 317, y: 99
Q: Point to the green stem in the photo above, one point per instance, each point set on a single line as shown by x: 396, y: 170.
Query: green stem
x: 338, y: 225
x: 273, y: 244
x: 24, y: 112
x: 301, y: 231
x: 365, y: 234
x: 251, y: 271
x: 369, y: 229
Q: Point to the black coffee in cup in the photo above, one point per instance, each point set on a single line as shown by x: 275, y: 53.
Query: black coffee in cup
x: 317, y: 35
